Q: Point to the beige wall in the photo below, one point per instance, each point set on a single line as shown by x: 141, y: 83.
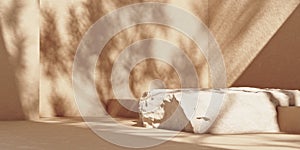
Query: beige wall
x: 242, y: 28
x: 10, y: 104
x: 63, y: 25
x: 278, y: 63
x: 19, y: 60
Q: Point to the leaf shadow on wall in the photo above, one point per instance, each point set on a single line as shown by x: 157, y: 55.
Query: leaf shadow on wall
x: 57, y: 53
x: 54, y: 60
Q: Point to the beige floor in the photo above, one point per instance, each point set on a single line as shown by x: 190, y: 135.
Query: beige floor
x: 72, y: 133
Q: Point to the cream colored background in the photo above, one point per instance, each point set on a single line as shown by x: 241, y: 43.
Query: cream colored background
x: 245, y: 30
x: 242, y: 29
x: 19, y: 59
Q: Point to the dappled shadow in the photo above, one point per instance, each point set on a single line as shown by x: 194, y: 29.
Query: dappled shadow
x: 148, y: 70
x: 15, y: 64
x: 52, y: 57
x: 20, y: 43
x: 58, y: 50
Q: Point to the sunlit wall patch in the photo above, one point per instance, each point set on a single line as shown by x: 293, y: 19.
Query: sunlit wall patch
x: 109, y: 25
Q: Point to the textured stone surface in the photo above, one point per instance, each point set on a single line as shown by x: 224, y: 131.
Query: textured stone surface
x: 242, y: 110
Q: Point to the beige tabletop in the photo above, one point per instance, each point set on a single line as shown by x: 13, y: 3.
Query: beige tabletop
x: 72, y: 133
